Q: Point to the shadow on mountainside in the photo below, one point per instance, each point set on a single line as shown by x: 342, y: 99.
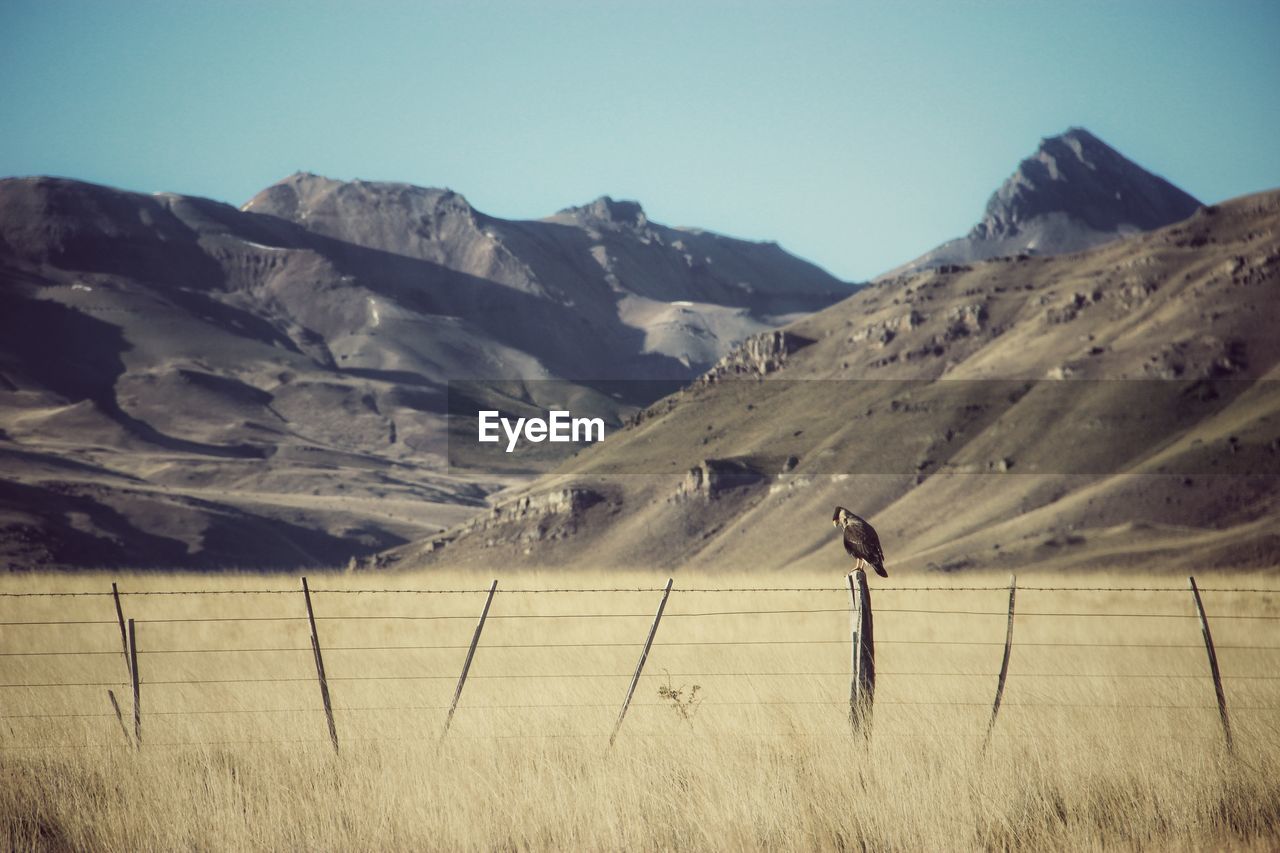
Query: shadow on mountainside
x: 78, y: 357
x: 61, y: 524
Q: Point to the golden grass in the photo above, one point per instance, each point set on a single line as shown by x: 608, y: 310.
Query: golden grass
x: 1132, y: 760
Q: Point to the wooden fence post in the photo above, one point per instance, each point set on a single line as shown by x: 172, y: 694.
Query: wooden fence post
x: 862, y: 685
x: 644, y: 655
x: 1004, y: 664
x: 324, y: 682
x: 137, y: 692
x: 471, y: 653
x: 1213, y: 664
x: 124, y: 638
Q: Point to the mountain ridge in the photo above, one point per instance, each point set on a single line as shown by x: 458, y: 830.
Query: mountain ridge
x: 177, y: 372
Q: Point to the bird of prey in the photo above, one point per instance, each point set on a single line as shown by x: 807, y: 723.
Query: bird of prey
x: 860, y: 540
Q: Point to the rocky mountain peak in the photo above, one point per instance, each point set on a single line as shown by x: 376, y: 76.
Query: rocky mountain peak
x: 1073, y: 193
x: 404, y: 219
x: 304, y: 194
x: 1080, y: 176
x: 607, y: 211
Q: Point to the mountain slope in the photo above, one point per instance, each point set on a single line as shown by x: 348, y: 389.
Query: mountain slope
x: 185, y: 383
x: 1075, y: 192
x: 604, y: 264
x: 1119, y: 407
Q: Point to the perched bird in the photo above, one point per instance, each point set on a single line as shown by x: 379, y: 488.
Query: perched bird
x: 860, y: 540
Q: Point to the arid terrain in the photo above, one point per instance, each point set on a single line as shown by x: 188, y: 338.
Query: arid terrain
x: 187, y: 384
x: 1112, y: 408
x: 183, y: 383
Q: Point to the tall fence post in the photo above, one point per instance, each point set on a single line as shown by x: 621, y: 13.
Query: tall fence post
x: 862, y: 684
x: 1213, y: 664
x: 324, y: 682
x: 644, y: 655
x: 471, y: 653
x: 137, y: 681
x: 1004, y: 664
x: 124, y: 638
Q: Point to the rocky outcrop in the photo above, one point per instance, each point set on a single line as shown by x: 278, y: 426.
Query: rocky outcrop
x: 568, y: 501
x: 758, y: 355
x: 608, y: 213
x: 965, y: 320
x: 543, y: 517
x: 713, y: 477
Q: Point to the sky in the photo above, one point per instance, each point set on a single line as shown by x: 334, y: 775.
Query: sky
x: 857, y: 135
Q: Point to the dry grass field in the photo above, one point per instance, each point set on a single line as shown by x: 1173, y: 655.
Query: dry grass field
x: 1109, y: 735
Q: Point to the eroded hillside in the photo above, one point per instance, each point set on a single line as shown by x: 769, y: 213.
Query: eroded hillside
x: 185, y: 384
x: 1112, y: 408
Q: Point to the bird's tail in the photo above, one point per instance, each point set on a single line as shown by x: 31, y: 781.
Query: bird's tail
x: 879, y: 567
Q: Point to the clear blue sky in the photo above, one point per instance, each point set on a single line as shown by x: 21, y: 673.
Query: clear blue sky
x: 855, y: 134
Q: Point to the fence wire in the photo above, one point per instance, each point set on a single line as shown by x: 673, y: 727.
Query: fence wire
x: 563, y: 590
x: 442, y: 673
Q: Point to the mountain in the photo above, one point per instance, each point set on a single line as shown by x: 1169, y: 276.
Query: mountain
x: 1075, y: 192
x: 1113, y: 408
x: 647, y: 301
x: 184, y: 383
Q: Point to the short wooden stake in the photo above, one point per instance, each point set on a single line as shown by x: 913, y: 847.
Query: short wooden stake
x: 324, y: 682
x: 644, y: 655
x: 115, y: 706
x: 471, y: 653
x: 862, y: 684
x: 1213, y: 664
x: 124, y: 639
x: 136, y: 679
x: 1004, y: 664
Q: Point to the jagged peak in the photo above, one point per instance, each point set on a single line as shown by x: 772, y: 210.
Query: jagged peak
x: 606, y: 209
x: 1077, y: 174
x: 1076, y: 135
x: 1059, y: 154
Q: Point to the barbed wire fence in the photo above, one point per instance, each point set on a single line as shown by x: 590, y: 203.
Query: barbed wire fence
x: 130, y: 654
